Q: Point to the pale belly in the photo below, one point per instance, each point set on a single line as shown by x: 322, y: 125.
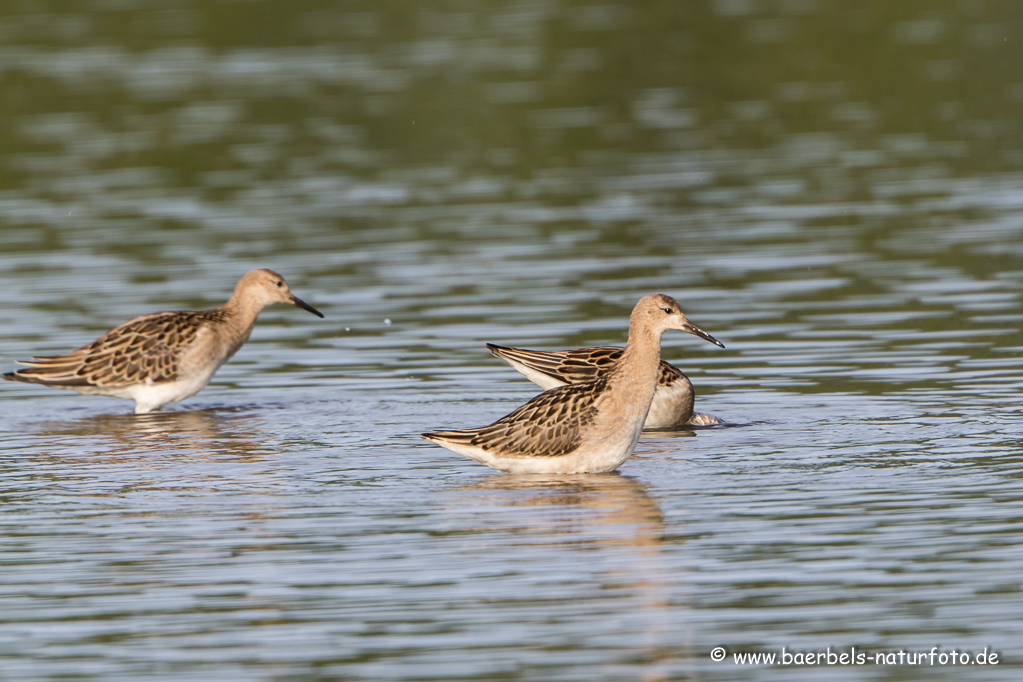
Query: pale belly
x: 151, y: 397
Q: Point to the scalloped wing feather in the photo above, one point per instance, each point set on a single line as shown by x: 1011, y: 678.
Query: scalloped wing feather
x: 146, y: 349
x: 549, y: 425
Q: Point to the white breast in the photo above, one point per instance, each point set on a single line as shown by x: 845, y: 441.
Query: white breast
x: 671, y: 407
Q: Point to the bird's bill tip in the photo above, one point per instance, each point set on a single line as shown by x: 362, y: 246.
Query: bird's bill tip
x: 299, y: 303
x: 691, y: 328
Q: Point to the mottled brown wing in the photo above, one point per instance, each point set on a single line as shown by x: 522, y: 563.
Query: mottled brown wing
x: 576, y: 365
x: 143, y: 350
x: 549, y: 425
x: 669, y: 374
x: 582, y: 364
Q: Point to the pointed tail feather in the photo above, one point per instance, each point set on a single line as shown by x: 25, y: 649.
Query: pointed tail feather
x: 47, y: 362
x: 461, y: 436
x: 48, y: 376
x: 527, y: 361
x: 537, y: 358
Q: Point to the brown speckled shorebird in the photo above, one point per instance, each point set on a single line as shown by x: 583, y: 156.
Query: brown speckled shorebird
x: 163, y: 358
x: 671, y: 408
x: 587, y: 427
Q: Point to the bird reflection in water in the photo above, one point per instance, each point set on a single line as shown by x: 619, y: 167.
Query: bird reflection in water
x: 208, y: 432
x: 623, y: 500
x: 610, y: 513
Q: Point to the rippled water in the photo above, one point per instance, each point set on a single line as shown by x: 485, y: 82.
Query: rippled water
x: 833, y: 190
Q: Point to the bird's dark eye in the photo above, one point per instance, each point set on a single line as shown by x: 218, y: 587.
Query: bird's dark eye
x: 279, y: 284
x: 668, y: 310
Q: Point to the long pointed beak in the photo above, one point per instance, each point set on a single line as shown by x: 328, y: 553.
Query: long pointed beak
x: 691, y: 328
x: 299, y: 303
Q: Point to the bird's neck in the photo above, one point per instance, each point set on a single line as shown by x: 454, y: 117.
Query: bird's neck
x: 239, y: 315
x: 638, y: 367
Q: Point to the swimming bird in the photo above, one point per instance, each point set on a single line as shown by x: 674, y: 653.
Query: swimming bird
x: 588, y: 427
x: 163, y: 358
x: 672, y: 406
